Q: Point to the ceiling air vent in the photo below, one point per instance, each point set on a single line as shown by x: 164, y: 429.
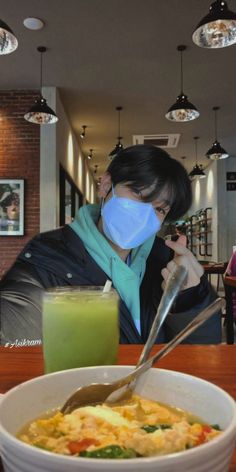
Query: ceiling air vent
x: 160, y: 140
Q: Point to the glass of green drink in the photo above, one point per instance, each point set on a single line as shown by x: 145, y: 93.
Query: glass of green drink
x: 80, y: 327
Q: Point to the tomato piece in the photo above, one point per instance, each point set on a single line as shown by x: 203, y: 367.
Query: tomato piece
x: 206, y: 428
x: 202, y: 437
x: 77, y: 446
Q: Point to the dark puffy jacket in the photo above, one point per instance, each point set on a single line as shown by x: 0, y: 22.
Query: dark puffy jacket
x: 58, y: 258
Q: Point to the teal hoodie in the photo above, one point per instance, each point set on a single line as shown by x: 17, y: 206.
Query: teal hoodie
x: 126, y: 279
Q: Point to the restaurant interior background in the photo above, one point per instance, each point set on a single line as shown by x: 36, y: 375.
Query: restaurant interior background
x: 100, y: 55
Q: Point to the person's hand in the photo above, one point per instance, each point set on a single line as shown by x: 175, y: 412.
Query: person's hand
x: 183, y: 257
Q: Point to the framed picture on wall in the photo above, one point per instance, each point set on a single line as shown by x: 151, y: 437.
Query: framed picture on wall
x: 231, y: 175
x: 11, y: 207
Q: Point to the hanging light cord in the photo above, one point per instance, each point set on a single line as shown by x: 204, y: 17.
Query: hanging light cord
x: 41, y: 70
x: 181, y: 72
x: 119, y: 123
x: 41, y: 49
x: 119, y: 110
x: 196, y: 138
x: 215, y: 110
x: 181, y: 48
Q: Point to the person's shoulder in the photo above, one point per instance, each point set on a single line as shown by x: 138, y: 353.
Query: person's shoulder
x: 58, y: 235
x: 54, y: 234
x: 57, y: 251
x: 51, y: 238
x: 54, y: 241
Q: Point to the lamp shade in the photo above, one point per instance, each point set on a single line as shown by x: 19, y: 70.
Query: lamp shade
x: 216, y: 152
x: 182, y: 110
x: 217, y: 29
x: 8, y: 41
x: 197, y: 172
x: 41, y: 113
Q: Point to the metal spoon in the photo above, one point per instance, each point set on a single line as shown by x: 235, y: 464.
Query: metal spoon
x: 172, y: 288
x: 112, y: 392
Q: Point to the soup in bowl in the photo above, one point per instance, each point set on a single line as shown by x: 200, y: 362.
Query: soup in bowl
x: 33, y: 399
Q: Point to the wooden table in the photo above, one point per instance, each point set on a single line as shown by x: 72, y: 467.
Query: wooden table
x: 214, y: 363
x: 230, y: 287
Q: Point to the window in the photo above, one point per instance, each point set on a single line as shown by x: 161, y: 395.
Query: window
x: 71, y: 198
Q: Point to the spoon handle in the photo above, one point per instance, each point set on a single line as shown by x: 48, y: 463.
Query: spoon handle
x: 204, y: 315
x: 173, y: 285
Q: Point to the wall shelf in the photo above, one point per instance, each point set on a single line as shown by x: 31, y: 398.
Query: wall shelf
x: 205, y: 244
x: 199, y: 233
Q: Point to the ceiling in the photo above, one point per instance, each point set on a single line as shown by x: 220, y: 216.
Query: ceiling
x: 107, y: 53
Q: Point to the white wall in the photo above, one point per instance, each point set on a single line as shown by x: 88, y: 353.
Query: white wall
x: 227, y: 210
x: 59, y: 145
x: 204, y: 196
x: 211, y: 192
x: 49, y: 174
x: 71, y: 157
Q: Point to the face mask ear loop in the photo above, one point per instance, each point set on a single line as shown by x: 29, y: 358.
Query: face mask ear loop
x: 101, y: 205
x: 102, y: 200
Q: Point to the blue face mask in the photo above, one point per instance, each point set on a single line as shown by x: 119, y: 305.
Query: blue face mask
x: 128, y: 223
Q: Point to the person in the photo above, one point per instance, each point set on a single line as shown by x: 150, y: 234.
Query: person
x: 231, y: 271
x: 116, y: 240
x: 9, y: 204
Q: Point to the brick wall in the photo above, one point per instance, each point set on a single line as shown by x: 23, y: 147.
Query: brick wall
x: 19, y: 159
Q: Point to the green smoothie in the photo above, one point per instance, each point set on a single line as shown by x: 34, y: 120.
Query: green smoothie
x: 80, y: 328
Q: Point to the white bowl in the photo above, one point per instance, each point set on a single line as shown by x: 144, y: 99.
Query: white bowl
x: 31, y: 399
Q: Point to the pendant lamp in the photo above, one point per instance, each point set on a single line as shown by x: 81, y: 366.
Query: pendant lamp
x: 217, y: 29
x: 8, y: 41
x: 197, y: 171
x: 90, y: 155
x: 182, y: 110
x: 41, y: 113
x: 82, y: 134
x: 119, y: 146
x: 216, y: 151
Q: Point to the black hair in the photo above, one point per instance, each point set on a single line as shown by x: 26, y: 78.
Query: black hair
x: 142, y: 166
x: 12, y: 198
